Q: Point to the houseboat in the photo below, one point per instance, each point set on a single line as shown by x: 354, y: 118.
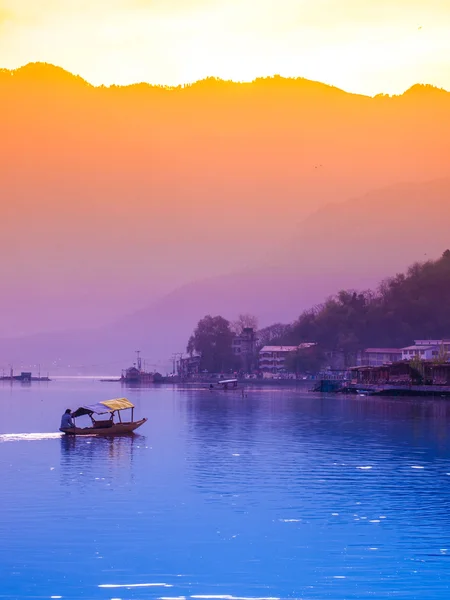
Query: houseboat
x: 424, y: 378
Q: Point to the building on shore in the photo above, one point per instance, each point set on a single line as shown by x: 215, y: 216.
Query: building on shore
x: 273, y: 359
x: 189, y: 366
x: 244, y: 347
x: 374, y: 357
x: 420, y: 352
x: 421, y: 349
x: 427, y: 350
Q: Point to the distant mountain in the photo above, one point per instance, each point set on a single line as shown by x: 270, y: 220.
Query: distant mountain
x: 353, y: 244
x: 112, y: 197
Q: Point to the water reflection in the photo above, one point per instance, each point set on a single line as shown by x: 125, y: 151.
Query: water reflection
x: 332, y: 418
x: 100, y: 447
x: 98, y: 458
x: 390, y: 452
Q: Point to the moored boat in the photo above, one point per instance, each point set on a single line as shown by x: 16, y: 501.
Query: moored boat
x: 105, y: 427
x: 224, y: 384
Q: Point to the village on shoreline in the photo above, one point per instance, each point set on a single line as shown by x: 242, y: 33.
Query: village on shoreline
x: 389, y: 341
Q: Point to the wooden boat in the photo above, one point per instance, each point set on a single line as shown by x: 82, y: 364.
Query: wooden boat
x: 105, y: 427
x: 224, y: 384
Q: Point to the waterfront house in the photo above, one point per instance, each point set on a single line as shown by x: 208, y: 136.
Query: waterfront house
x: 426, y: 350
x: 272, y: 359
x: 422, y: 351
x: 189, y: 366
x: 374, y: 357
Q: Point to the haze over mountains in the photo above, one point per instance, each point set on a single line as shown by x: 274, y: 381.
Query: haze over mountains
x: 217, y: 197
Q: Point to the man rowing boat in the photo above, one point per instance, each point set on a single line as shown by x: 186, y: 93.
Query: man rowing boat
x: 66, y: 420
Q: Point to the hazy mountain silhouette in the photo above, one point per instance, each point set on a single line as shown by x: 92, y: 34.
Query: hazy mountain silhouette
x: 112, y: 197
x: 353, y: 244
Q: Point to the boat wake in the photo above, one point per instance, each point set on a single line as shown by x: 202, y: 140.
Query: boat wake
x: 28, y: 437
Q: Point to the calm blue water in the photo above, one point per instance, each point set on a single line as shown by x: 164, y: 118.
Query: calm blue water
x: 283, y: 494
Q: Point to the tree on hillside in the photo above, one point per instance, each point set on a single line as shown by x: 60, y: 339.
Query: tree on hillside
x: 272, y: 334
x: 212, y: 339
x: 339, y: 324
x: 409, y: 306
x: 306, y: 360
x: 242, y: 322
x: 419, y: 300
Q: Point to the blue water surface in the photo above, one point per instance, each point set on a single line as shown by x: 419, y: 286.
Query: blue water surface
x: 280, y: 494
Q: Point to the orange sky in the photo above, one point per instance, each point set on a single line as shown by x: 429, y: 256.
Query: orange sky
x: 366, y: 46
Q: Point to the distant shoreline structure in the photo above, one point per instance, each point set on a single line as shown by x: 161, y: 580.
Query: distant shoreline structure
x: 135, y: 374
x: 24, y: 377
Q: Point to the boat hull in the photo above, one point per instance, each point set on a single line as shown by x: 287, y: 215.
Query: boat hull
x: 116, y: 429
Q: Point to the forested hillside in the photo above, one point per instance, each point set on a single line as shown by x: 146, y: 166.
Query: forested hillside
x: 412, y: 305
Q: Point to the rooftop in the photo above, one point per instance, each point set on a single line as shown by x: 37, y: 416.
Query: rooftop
x: 384, y: 350
x: 287, y: 348
x: 427, y: 342
x: 420, y: 347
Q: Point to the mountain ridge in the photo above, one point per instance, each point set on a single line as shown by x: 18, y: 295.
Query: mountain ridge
x: 45, y: 71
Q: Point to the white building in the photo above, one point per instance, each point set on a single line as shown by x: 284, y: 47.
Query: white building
x: 426, y: 349
x: 376, y: 357
x: 272, y: 359
x: 421, y: 351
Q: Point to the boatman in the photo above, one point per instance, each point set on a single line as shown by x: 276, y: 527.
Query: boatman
x: 66, y: 420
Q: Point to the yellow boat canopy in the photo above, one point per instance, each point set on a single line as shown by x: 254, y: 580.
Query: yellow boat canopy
x: 105, y: 406
x: 117, y: 404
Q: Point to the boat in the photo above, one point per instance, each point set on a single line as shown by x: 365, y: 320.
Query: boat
x: 368, y: 392
x: 224, y: 384
x: 105, y: 427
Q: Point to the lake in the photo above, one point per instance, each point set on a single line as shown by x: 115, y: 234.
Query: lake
x: 280, y: 494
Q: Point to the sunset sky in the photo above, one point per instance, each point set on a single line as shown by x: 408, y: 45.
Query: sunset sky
x: 366, y: 46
